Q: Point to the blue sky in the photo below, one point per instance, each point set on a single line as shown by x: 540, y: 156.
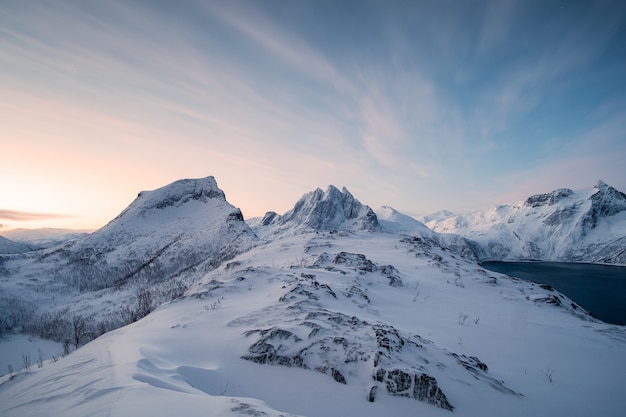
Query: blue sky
x: 420, y: 105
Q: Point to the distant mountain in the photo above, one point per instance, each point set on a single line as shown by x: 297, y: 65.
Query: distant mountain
x: 8, y: 246
x: 437, y: 216
x: 44, y: 237
x: 563, y: 225
x: 321, y: 210
x: 393, y: 221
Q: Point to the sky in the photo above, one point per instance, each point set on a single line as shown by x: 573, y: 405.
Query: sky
x: 418, y: 105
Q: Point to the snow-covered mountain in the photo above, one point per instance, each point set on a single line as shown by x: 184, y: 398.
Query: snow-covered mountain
x: 163, y: 233
x: 326, y: 318
x: 564, y: 225
x: 8, y: 246
x: 393, y: 221
x: 321, y: 210
x: 437, y: 216
x: 161, y: 242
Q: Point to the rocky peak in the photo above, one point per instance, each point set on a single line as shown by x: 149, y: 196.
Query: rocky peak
x: 605, y: 202
x: 331, y: 210
x: 555, y: 196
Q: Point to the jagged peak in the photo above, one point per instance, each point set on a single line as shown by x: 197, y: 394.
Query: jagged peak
x: 601, y: 185
x: 330, y: 209
x: 271, y: 217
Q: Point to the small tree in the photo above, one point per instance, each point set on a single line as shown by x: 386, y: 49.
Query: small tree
x: 39, y: 358
x: 548, y: 372
x: 66, y: 346
x: 145, y: 303
x: 26, y: 361
x: 79, y: 326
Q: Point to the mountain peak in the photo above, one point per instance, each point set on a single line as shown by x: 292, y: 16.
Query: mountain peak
x: 188, y: 220
x: 600, y: 185
x: 329, y: 210
x: 181, y: 191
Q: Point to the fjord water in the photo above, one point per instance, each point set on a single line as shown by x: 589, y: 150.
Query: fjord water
x: 600, y: 289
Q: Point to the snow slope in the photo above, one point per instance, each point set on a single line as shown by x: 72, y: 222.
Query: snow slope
x: 564, y: 225
x: 317, y: 324
x: 393, y: 221
x: 339, y: 321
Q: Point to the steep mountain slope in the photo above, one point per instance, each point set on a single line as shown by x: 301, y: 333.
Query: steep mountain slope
x: 161, y: 242
x: 564, y: 225
x: 342, y: 323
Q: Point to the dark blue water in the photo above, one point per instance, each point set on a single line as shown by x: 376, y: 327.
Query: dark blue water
x: 599, y: 289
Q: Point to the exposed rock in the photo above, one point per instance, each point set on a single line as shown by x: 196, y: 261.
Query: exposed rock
x: 392, y: 274
x: 355, y: 260
x: 371, y: 397
x: 555, y: 196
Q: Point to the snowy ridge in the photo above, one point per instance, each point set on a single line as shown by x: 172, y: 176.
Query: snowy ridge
x: 395, y: 222
x: 564, y: 225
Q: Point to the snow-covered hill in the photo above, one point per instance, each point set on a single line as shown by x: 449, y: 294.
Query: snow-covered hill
x: 346, y: 324
x: 337, y: 312
x: 564, y: 225
x: 8, y: 246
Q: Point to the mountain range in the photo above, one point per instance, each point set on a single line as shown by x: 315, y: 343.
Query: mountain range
x: 331, y: 308
x: 563, y: 225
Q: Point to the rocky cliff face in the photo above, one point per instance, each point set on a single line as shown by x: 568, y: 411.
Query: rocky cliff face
x: 564, y: 225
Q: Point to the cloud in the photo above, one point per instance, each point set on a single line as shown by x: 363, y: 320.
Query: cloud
x: 25, y: 216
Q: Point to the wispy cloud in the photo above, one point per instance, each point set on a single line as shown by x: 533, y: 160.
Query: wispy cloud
x: 419, y: 96
x: 23, y: 216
